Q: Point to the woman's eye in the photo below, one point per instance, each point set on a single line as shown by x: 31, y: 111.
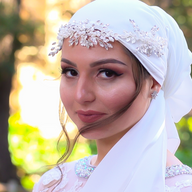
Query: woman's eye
x: 69, y: 72
x: 107, y: 73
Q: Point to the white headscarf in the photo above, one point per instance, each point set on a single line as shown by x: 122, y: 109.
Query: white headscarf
x: 137, y: 162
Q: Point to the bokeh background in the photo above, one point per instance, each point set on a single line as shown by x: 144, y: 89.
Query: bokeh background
x: 29, y: 89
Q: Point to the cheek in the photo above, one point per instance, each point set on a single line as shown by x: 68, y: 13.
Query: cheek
x: 66, y: 95
x: 118, y: 97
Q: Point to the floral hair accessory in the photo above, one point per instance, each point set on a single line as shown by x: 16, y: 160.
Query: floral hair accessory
x: 148, y: 42
x: 89, y: 33
x: 86, y: 33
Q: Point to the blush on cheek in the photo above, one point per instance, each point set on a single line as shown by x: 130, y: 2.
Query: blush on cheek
x: 118, y: 99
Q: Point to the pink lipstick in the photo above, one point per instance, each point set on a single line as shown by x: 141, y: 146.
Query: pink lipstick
x: 89, y: 116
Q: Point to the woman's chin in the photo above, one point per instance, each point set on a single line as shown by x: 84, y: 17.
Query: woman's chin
x: 92, y: 135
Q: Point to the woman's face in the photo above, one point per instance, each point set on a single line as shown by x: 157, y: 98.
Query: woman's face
x: 96, y: 83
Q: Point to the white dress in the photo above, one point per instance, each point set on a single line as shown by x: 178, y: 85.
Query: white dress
x: 178, y: 178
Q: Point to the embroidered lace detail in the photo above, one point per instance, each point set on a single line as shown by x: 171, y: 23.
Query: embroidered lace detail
x: 51, y: 175
x: 76, y: 187
x: 178, y: 186
x: 63, y: 183
x: 89, y: 33
x: 55, y: 175
x: 177, y: 170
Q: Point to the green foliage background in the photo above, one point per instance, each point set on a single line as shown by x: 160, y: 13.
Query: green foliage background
x: 184, y: 153
x: 33, y: 154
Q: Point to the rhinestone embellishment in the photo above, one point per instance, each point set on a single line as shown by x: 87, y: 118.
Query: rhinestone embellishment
x: 89, y: 33
x: 86, y: 33
x: 154, y: 95
x: 148, y: 42
x: 83, y: 168
x: 177, y: 170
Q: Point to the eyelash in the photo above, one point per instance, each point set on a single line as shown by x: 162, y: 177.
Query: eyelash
x: 111, y: 71
x: 65, y: 70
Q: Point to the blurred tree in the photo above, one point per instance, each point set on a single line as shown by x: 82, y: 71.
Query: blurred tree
x: 8, y: 44
x: 12, y: 27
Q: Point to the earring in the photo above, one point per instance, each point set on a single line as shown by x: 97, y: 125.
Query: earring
x: 154, y: 95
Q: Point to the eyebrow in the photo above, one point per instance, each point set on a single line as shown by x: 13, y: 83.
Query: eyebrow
x: 105, y: 61
x: 68, y: 62
x: 96, y: 63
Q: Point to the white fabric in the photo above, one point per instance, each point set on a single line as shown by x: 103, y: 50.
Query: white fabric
x: 142, y: 150
x: 144, y: 146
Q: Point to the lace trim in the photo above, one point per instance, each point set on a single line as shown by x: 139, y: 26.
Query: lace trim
x: 55, y: 175
x: 177, y: 170
x: 178, y: 186
x: 51, y: 175
x: 76, y: 187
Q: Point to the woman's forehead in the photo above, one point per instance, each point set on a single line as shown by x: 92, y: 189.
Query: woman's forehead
x: 78, y: 52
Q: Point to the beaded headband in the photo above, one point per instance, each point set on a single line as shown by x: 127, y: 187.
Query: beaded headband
x: 89, y: 33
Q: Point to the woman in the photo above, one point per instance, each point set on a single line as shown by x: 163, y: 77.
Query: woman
x: 125, y: 81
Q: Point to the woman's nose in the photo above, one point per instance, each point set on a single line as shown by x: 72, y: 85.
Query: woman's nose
x: 84, y: 91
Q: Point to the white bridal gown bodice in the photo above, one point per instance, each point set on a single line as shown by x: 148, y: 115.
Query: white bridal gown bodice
x: 178, y: 178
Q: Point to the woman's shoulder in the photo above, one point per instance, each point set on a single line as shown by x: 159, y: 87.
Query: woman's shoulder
x: 56, y: 178
x: 172, y: 159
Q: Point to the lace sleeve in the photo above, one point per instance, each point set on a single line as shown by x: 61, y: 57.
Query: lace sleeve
x: 63, y: 180
x: 48, y: 181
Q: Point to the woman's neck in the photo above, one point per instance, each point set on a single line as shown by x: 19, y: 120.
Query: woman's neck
x: 104, y: 146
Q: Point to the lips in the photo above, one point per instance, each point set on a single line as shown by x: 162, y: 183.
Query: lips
x: 89, y: 116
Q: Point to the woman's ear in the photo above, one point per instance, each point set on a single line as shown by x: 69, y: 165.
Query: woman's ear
x: 154, y: 88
